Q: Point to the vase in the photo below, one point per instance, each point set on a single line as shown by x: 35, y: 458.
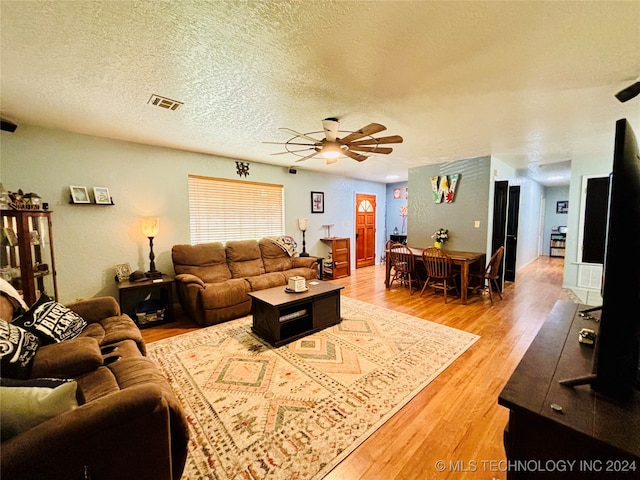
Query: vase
x: 437, y: 244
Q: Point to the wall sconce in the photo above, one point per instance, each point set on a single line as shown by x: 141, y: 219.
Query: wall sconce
x: 303, y: 224
x: 150, y: 228
x: 242, y: 168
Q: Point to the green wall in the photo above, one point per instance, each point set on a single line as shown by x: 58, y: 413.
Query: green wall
x: 470, y: 204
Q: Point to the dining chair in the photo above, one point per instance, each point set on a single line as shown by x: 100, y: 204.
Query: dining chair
x: 440, y: 274
x: 402, y: 265
x: 489, y: 278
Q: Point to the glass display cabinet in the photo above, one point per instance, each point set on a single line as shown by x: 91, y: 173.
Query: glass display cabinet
x: 27, y: 253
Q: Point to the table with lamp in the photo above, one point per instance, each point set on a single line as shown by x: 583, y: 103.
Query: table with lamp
x: 148, y: 300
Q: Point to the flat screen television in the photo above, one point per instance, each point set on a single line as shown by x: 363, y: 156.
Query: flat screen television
x: 616, y: 354
x: 616, y: 357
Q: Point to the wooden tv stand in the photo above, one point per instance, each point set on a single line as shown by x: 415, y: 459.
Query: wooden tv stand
x: 592, y: 436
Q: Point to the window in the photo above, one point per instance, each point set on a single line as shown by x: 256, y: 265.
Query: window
x: 221, y: 209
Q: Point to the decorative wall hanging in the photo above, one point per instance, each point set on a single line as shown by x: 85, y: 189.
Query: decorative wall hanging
x: 404, y: 211
x: 562, y: 207
x: 444, y: 187
x: 242, y: 168
x: 397, y: 193
x: 317, y: 202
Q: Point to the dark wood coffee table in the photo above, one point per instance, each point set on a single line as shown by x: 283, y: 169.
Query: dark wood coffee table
x: 281, y: 317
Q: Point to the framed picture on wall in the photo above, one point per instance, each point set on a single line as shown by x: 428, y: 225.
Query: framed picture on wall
x: 79, y: 194
x: 101, y: 195
x: 317, y: 202
x: 562, y: 207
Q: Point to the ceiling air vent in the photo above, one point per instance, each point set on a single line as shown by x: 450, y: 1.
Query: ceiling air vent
x: 164, y: 102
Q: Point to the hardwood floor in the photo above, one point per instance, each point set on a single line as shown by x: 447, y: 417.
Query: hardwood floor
x: 455, y: 419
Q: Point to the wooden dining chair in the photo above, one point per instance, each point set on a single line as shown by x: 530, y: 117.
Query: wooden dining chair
x: 440, y: 274
x: 489, y: 278
x: 402, y: 266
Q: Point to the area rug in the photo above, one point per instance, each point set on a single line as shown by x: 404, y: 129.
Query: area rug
x: 294, y: 412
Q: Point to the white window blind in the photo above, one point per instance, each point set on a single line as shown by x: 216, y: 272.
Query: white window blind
x: 222, y: 209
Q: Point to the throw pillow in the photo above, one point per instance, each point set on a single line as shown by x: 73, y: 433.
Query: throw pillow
x: 17, y: 350
x: 51, y: 321
x: 24, y: 407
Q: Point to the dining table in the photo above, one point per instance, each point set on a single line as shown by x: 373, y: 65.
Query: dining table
x: 466, y: 261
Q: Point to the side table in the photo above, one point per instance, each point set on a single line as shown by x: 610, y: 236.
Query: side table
x: 148, y: 302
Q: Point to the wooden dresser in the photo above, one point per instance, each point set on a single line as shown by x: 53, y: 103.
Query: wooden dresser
x: 341, y: 255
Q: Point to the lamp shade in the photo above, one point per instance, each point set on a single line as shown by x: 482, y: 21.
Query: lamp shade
x: 303, y: 224
x: 150, y: 226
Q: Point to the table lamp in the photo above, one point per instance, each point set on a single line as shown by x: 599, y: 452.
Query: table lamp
x: 303, y: 224
x: 150, y: 227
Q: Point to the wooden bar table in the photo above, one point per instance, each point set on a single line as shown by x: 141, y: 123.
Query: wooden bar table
x: 463, y: 259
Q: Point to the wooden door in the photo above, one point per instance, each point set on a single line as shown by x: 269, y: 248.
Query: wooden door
x: 365, y: 230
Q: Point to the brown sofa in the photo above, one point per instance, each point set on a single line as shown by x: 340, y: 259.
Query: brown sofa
x: 213, y: 279
x: 128, y: 423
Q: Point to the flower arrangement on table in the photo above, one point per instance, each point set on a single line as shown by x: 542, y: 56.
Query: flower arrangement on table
x: 440, y: 236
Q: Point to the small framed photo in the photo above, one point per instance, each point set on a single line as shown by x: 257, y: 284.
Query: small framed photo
x: 79, y: 194
x: 317, y: 202
x: 123, y: 271
x: 101, y: 195
x: 562, y: 207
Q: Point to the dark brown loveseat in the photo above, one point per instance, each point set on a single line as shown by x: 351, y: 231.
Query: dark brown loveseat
x: 129, y: 423
x: 213, y: 279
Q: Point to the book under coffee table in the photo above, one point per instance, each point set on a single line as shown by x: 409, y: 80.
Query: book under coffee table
x: 280, y: 316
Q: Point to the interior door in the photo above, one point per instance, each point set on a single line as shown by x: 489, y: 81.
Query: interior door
x: 510, y: 249
x: 499, y: 233
x: 365, y: 230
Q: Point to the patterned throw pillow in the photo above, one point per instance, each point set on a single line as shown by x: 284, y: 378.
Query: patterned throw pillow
x: 50, y: 321
x: 17, y: 349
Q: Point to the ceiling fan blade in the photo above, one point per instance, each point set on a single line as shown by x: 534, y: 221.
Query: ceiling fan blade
x: 293, y: 151
x: 363, y: 132
x: 379, y: 141
x: 308, y: 156
x: 298, y: 134
x: 292, y: 143
x: 330, y: 126
x: 355, y: 156
x: 384, y: 150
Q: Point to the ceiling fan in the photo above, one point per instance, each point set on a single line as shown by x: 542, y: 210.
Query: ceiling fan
x: 331, y: 147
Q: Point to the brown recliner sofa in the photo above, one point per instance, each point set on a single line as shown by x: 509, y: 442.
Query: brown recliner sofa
x: 213, y: 279
x: 128, y: 425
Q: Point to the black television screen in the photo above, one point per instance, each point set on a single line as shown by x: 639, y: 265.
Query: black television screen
x: 616, y: 354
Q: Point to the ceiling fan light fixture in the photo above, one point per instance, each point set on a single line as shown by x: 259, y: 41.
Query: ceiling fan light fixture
x: 331, y: 151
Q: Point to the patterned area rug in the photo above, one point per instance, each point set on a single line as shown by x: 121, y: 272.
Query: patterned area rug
x: 296, y: 411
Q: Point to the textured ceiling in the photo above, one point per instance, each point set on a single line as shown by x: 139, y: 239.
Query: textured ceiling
x: 531, y: 83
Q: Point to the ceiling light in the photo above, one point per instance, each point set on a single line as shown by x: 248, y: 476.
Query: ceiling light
x: 331, y: 150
